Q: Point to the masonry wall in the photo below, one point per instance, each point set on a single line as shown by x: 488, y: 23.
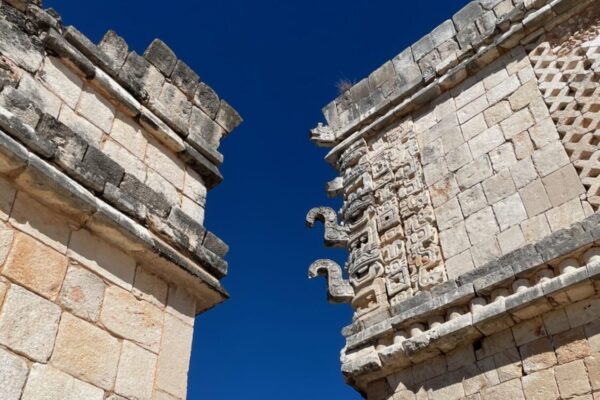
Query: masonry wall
x: 81, y: 319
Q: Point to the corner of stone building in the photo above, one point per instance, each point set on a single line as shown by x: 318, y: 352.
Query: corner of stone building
x: 106, y: 158
x: 468, y: 171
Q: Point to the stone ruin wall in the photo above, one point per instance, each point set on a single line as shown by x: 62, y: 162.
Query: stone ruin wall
x: 106, y: 157
x: 469, y: 166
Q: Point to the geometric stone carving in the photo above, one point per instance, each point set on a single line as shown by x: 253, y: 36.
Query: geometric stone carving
x: 339, y: 290
x: 335, y: 235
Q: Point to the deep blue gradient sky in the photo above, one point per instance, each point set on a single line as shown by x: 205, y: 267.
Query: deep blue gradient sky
x: 277, y: 62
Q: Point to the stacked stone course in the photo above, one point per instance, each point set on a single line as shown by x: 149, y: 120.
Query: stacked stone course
x: 469, y: 170
x: 106, y: 158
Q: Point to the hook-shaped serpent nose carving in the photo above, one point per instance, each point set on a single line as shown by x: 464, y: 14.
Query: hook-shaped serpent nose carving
x: 335, y: 235
x: 338, y: 289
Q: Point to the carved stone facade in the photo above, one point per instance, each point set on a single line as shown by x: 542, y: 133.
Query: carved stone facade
x: 469, y: 167
x: 106, y: 158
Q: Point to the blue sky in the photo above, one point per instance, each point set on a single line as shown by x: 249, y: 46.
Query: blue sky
x: 277, y: 63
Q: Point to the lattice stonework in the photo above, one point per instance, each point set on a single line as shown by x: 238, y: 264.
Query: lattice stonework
x: 392, y: 236
x: 567, y: 64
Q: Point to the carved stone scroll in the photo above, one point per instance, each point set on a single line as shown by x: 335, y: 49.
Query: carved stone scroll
x: 338, y: 289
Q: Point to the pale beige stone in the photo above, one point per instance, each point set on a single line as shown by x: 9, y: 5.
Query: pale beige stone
x: 543, y: 133
x: 7, y: 198
x: 61, y: 81
x: 13, y: 373
x: 497, y: 113
x: 80, y: 125
x: 572, y: 379
x: 130, y: 135
x: 48, y: 383
x: 28, y: 324
x: 508, y: 390
x: 540, y: 386
x: 37, y: 220
x: 535, y: 198
x: 194, y: 187
x: 133, y: 319
x: 159, y: 184
x: 181, y: 304
x: 523, y: 172
x: 571, y: 345
x: 556, y: 321
x: 508, y: 364
x: 474, y: 172
x: 459, y: 264
x: 592, y: 364
x: 563, y: 185
x: 486, y: 141
x: 473, y: 127
x: 583, y: 312
x: 448, y: 214
x: 472, y: 200
x: 43, y: 99
x: 193, y: 209
x: 535, y: 228
x: 135, y: 376
x: 510, y: 211
x: 550, y: 158
x: 485, y: 251
x: 159, y: 395
x: 102, y: 258
x: 458, y: 157
x: 517, y: 123
x: 537, y: 355
x: 6, y: 239
x: 475, y: 107
x: 468, y: 92
x: 443, y: 190
x: 435, y: 171
x: 150, y: 287
x: 498, y: 186
x: 528, y: 331
x: 35, y: 266
x: 565, y: 215
x: 454, y: 240
x: 86, y: 352
x: 96, y: 109
x: 511, y: 239
x: 503, y: 89
x: 503, y: 157
x: 127, y: 160
x: 481, y: 226
x: 523, y: 145
x: 174, y: 357
x: 524, y: 95
x: 165, y: 163
x: 480, y: 375
x: 82, y: 293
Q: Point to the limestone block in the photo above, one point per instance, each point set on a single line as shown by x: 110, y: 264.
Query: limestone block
x: 498, y: 186
x: 158, y: 395
x: 467, y: 92
x: 473, y: 127
x: 129, y: 134
x: 135, y: 377
x: 454, y: 240
x: 523, y: 172
x: 48, y: 383
x: 543, y: 133
x: 206, y: 98
x: 194, y: 187
x: 37, y: 220
x: 61, y: 81
x: 133, y: 319
x: 165, y: 163
x: 508, y: 364
x: 435, y: 171
x: 43, y: 99
x: 592, y: 364
x: 571, y: 345
x: 173, y: 106
x: 522, y: 144
x: 82, y: 293
x: 517, y: 123
x: 503, y: 157
x: 20, y: 105
x: 80, y: 125
x: 510, y: 211
x: 125, y: 159
x: 527, y: 93
x: 511, y: 239
x: 497, y: 113
x: 35, y: 266
x: 508, y: 390
x: 150, y: 287
x: 185, y: 78
x: 181, y: 304
x: 472, y: 200
x: 96, y: 109
x: 28, y: 324
x: 535, y: 198
x: 459, y: 264
x: 565, y: 215
x: 115, y: 48
x: 458, y: 157
x: 102, y: 258
x: 448, y: 214
x: 6, y: 239
x: 13, y: 373
x: 550, y: 158
x: 540, y: 386
x: 193, y: 209
x: 443, y: 190
x: 472, y: 109
x: 486, y: 141
x: 227, y: 117
x: 563, y: 185
x: 7, y: 197
x: 572, y: 379
x: 481, y: 225
x: 485, y: 251
x: 474, y: 172
x: 19, y: 48
x: 86, y: 352
x: 503, y: 90
x: 535, y: 228
x: 537, y: 355
x: 161, y: 56
x: 174, y: 357
x: 494, y: 74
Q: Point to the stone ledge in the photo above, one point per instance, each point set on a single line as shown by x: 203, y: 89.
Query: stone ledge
x: 520, y: 26
x: 58, y: 191
x: 482, y: 281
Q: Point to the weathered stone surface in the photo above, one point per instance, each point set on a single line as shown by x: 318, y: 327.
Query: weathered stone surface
x: 115, y: 48
x: 174, y: 357
x: 18, y: 47
x: 540, y: 385
x: 161, y: 56
x: 86, y: 352
x: 28, y: 324
x: 128, y: 317
x: 135, y: 377
x: 572, y: 379
x: 13, y: 373
x: 82, y: 293
x: 48, y: 383
x: 150, y: 287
